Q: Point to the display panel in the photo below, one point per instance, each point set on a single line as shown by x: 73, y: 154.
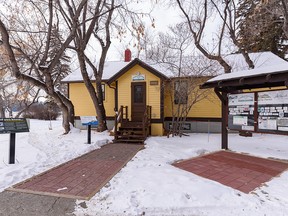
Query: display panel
x: 273, y: 111
x: 241, y: 111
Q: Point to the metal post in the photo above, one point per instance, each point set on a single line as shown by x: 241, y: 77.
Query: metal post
x: 89, y: 134
x: 12, y: 148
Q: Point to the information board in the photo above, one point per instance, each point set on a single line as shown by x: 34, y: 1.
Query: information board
x: 241, y: 111
x: 13, y: 125
x: 89, y: 120
x: 273, y: 111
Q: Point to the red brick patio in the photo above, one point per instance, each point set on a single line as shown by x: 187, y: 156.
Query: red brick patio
x: 82, y: 177
x: 239, y: 171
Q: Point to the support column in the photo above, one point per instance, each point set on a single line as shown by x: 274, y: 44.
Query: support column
x: 224, y: 131
x: 89, y: 134
x: 12, y: 148
x: 224, y: 112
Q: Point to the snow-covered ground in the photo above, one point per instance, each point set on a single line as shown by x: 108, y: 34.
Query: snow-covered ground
x: 42, y: 149
x: 149, y: 184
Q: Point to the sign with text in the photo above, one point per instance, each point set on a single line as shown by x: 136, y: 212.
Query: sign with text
x: 273, y: 110
x: 241, y: 111
x: 89, y: 120
x: 13, y: 125
x: 138, y: 77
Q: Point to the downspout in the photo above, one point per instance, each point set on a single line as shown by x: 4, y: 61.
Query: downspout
x: 115, y: 95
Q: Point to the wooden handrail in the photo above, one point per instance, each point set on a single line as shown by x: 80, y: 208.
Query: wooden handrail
x: 120, y: 115
x: 146, y: 121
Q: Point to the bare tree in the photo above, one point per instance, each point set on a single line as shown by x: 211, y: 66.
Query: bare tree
x: 227, y: 10
x: 26, y: 35
x: 174, y: 52
x: 98, y: 21
x: 196, y: 14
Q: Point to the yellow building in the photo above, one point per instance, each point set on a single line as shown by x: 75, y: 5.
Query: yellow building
x: 136, y: 85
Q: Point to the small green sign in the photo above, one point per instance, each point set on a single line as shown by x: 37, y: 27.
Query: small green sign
x: 13, y: 125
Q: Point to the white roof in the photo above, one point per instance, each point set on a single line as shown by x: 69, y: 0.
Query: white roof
x: 260, y: 59
x: 253, y: 72
x: 264, y: 62
x: 110, y: 69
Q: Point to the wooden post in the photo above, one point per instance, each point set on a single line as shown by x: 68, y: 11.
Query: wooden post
x: 224, y: 131
x: 224, y: 107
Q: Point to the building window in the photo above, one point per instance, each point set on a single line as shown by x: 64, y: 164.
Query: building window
x: 103, y: 91
x: 181, y: 92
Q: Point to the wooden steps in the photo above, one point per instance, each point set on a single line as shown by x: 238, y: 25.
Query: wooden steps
x: 126, y: 131
x: 131, y: 132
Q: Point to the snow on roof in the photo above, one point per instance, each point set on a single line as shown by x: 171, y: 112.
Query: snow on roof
x: 161, y: 68
x: 253, y: 72
x: 260, y: 59
x: 237, y: 61
x: 264, y: 62
x: 110, y: 69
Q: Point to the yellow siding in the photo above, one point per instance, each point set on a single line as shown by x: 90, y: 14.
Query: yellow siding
x: 109, y: 102
x: 152, y: 92
x: 265, y: 89
x: 157, y: 130
x: 82, y: 101
x: 209, y: 107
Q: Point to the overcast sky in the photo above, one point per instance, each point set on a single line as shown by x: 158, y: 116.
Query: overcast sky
x: 164, y: 16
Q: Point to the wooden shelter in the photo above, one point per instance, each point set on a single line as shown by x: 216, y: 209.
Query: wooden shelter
x: 275, y: 76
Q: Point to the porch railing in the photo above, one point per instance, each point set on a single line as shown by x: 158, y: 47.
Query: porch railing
x: 121, y: 115
x: 146, y: 121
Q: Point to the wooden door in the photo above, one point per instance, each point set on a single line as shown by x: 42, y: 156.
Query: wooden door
x: 138, y: 100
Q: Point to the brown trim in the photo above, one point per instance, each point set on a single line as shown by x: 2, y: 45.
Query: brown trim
x: 116, y: 96
x: 132, y: 64
x: 197, y: 119
x: 157, y: 120
x: 68, y: 90
x: 161, y: 100
x: 250, y: 82
x: 255, y: 114
x: 107, y: 117
x: 138, y: 108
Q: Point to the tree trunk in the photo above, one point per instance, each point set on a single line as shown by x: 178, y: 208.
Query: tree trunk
x: 97, y: 102
x: 65, y: 116
x: 2, y: 109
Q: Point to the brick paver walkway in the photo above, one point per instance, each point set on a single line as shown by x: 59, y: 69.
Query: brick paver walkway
x: 82, y: 177
x: 241, y: 172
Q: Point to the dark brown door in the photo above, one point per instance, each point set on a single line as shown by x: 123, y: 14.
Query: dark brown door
x: 138, y: 100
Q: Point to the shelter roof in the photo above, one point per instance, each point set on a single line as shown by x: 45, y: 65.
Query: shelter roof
x: 267, y: 73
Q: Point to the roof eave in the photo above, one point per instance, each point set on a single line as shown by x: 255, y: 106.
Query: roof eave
x: 132, y: 64
x: 249, y: 82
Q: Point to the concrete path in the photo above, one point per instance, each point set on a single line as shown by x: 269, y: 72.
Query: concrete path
x: 23, y: 204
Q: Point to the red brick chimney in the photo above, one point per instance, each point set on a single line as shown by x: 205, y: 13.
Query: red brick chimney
x: 127, y: 55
